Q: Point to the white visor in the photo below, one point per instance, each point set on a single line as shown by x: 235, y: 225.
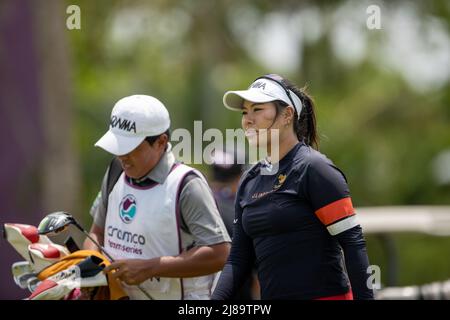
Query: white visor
x: 261, y: 91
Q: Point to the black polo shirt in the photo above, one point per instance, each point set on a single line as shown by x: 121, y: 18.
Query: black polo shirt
x: 293, y: 224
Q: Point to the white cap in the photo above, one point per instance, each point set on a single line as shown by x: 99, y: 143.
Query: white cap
x: 262, y: 90
x: 133, y: 119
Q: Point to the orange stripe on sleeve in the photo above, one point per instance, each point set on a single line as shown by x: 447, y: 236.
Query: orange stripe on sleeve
x: 335, y: 211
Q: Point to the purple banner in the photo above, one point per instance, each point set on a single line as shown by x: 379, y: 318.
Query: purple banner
x: 21, y: 134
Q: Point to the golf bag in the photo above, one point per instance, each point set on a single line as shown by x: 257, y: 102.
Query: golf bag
x: 52, y: 272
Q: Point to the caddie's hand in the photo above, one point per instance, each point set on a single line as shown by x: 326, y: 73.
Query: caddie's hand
x: 130, y: 271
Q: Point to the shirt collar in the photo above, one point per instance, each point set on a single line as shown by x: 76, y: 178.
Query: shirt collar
x: 266, y: 161
x: 162, y: 169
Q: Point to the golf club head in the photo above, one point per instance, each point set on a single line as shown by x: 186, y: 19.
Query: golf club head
x: 22, y: 280
x: 33, y: 283
x: 85, y: 274
x: 21, y: 267
x: 21, y: 270
x: 55, y: 223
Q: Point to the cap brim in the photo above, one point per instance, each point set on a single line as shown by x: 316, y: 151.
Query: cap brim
x: 233, y: 100
x: 117, y: 144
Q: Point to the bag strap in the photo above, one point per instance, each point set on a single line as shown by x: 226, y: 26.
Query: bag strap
x: 115, y: 170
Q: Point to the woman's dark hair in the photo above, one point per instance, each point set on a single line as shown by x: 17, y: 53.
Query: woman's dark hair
x: 305, y: 127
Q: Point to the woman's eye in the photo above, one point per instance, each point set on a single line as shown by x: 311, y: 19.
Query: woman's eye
x: 244, y: 112
x: 257, y: 109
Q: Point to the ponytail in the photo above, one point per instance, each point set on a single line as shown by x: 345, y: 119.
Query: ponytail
x: 305, y: 127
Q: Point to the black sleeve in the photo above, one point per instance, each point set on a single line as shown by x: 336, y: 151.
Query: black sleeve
x: 325, y: 183
x: 356, y: 261
x: 329, y: 194
x: 240, y: 261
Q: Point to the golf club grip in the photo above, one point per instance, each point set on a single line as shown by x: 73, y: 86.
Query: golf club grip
x: 112, y: 260
x: 139, y: 286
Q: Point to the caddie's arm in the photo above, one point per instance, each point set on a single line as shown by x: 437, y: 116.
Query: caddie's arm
x: 97, y: 233
x: 197, y: 261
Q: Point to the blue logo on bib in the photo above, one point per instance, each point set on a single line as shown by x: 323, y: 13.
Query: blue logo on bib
x: 127, y: 208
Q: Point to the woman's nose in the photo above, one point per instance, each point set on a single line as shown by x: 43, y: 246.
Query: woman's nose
x: 247, y: 119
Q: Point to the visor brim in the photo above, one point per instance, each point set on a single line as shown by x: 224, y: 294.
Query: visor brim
x: 234, y: 100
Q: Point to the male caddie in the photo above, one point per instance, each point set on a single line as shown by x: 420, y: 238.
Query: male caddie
x: 156, y: 217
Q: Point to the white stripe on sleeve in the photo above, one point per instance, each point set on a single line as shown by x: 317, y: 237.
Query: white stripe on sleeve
x: 343, y: 225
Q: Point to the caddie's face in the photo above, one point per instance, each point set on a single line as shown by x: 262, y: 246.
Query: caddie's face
x: 143, y: 159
